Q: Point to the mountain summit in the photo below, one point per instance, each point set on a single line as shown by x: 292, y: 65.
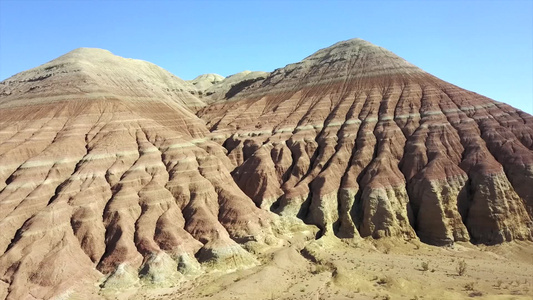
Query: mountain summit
x: 116, y: 174
x: 347, y: 60
x: 356, y: 57
x: 96, y: 73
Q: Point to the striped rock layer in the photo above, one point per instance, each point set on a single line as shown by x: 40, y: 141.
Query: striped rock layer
x: 115, y: 171
x: 359, y: 142
x: 105, y: 170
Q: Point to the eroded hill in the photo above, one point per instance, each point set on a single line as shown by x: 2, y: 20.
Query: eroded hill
x: 115, y: 174
x: 358, y: 141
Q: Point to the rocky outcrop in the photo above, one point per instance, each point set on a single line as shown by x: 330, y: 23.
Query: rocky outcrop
x: 213, y: 87
x: 206, y: 81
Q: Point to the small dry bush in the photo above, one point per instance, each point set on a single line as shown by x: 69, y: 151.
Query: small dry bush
x: 383, y: 280
x: 461, y: 268
x: 425, y: 265
x: 469, y: 286
x: 475, y: 294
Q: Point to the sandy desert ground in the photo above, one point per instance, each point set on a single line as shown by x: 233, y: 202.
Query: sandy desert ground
x: 330, y: 268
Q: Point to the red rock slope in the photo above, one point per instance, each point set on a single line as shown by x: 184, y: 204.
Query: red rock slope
x: 105, y: 170
x: 358, y: 141
x: 108, y: 178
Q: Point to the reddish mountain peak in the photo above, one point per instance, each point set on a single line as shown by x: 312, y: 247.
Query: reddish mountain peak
x: 345, y: 61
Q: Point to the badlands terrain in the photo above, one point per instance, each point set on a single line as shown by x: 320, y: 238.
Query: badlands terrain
x: 351, y: 174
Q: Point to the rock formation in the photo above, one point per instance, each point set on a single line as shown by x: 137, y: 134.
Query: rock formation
x: 360, y: 142
x: 213, y: 87
x: 115, y: 171
x: 103, y: 165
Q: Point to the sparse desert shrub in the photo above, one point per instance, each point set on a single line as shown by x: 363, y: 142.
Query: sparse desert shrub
x: 469, y: 286
x: 461, y: 268
x: 475, y: 294
x: 383, y: 280
x: 499, y: 283
x: 425, y: 265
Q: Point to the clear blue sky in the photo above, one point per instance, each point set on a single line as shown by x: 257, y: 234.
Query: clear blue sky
x: 484, y: 46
